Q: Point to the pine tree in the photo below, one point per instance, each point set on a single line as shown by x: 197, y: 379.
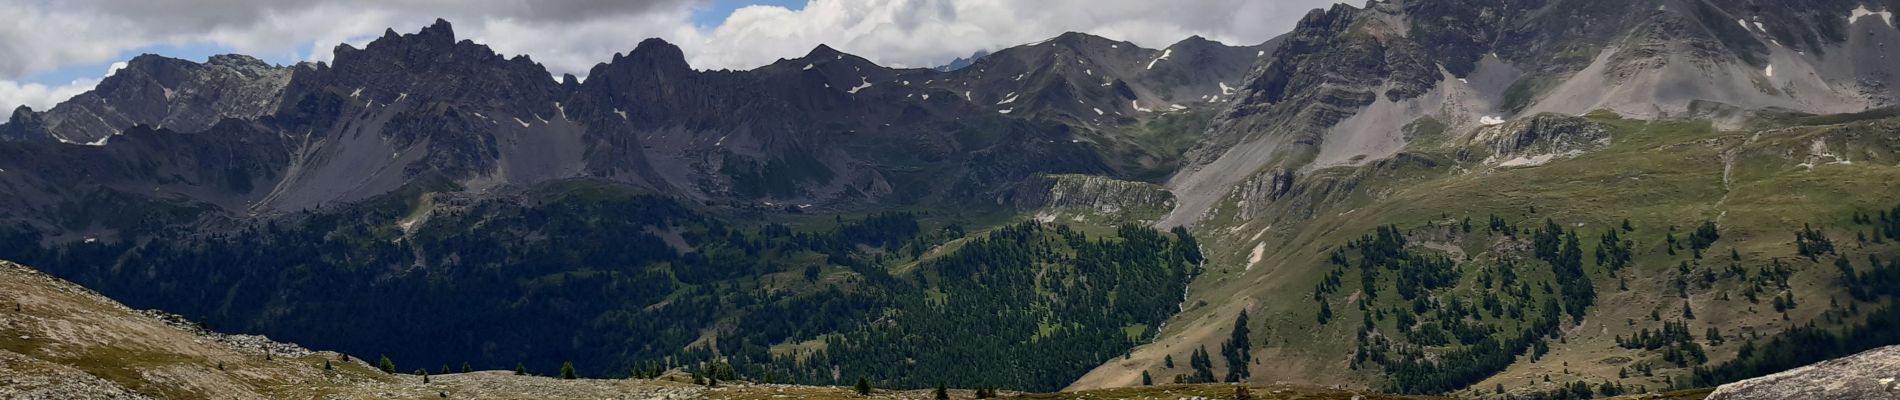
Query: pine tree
x: 388, y: 367
x: 1168, y: 361
x: 326, y: 365
x: 567, y: 370
x: 521, y: 369
x: 1203, y: 366
x: 942, y: 393
x: 425, y: 375
x: 1237, y: 350
x: 466, y: 368
x: 863, y: 386
x: 1147, y: 380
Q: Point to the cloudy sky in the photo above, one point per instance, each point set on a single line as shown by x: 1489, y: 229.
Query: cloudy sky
x: 53, y: 49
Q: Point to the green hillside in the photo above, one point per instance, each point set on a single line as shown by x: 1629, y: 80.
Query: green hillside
x: 1445, y: 270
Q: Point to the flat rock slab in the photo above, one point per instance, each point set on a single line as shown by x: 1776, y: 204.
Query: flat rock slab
x: 1874, y: 374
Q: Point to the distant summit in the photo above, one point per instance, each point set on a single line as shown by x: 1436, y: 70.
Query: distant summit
x: 962, y: 62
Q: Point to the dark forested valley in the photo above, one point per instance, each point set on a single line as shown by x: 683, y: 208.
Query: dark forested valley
x: 625, y: 283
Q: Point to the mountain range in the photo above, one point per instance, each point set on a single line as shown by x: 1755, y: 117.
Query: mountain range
x: 829, y: 129
x: 1470, y: 197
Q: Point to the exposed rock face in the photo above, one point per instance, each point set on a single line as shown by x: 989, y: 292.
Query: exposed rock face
x: 829, y: 129
x: 1084, y: 197
x: 165, y: 92
x: 24, y: 125
x: 1346, y: 82
x: 1263, y: 188
x: 229, y: 166
x: 1541, y: 139
x: 1095, y: 82
x: 1334, y: 64
x: 1874, y: 374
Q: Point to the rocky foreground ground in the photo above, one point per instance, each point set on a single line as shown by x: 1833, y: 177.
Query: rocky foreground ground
x: 1874, y: 374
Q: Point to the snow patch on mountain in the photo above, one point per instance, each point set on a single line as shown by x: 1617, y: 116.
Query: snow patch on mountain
x: 865, y: 85
x: 1164, y: 56
x: 1258, y: 251
x: 1862, y: 11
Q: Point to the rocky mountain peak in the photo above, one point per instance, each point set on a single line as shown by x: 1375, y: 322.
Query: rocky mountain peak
x: 441, y: 30
x: 166, y: 70
x: 440, y: 33
x: 962, y: 62
x: 1330, y: 20
x: 1078, y: 38
x: 161, y: 91
x: 433, y: 40
x: 1195, y: 41
x: 1086, y: 45
x: 432, y: 65
x: 243, y: 64
x: 22, y: 126
x: 22, y: 114
x: 825, y: 53
x: 237, y: 61
x: 655, y: 54
x: 823, y: 50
